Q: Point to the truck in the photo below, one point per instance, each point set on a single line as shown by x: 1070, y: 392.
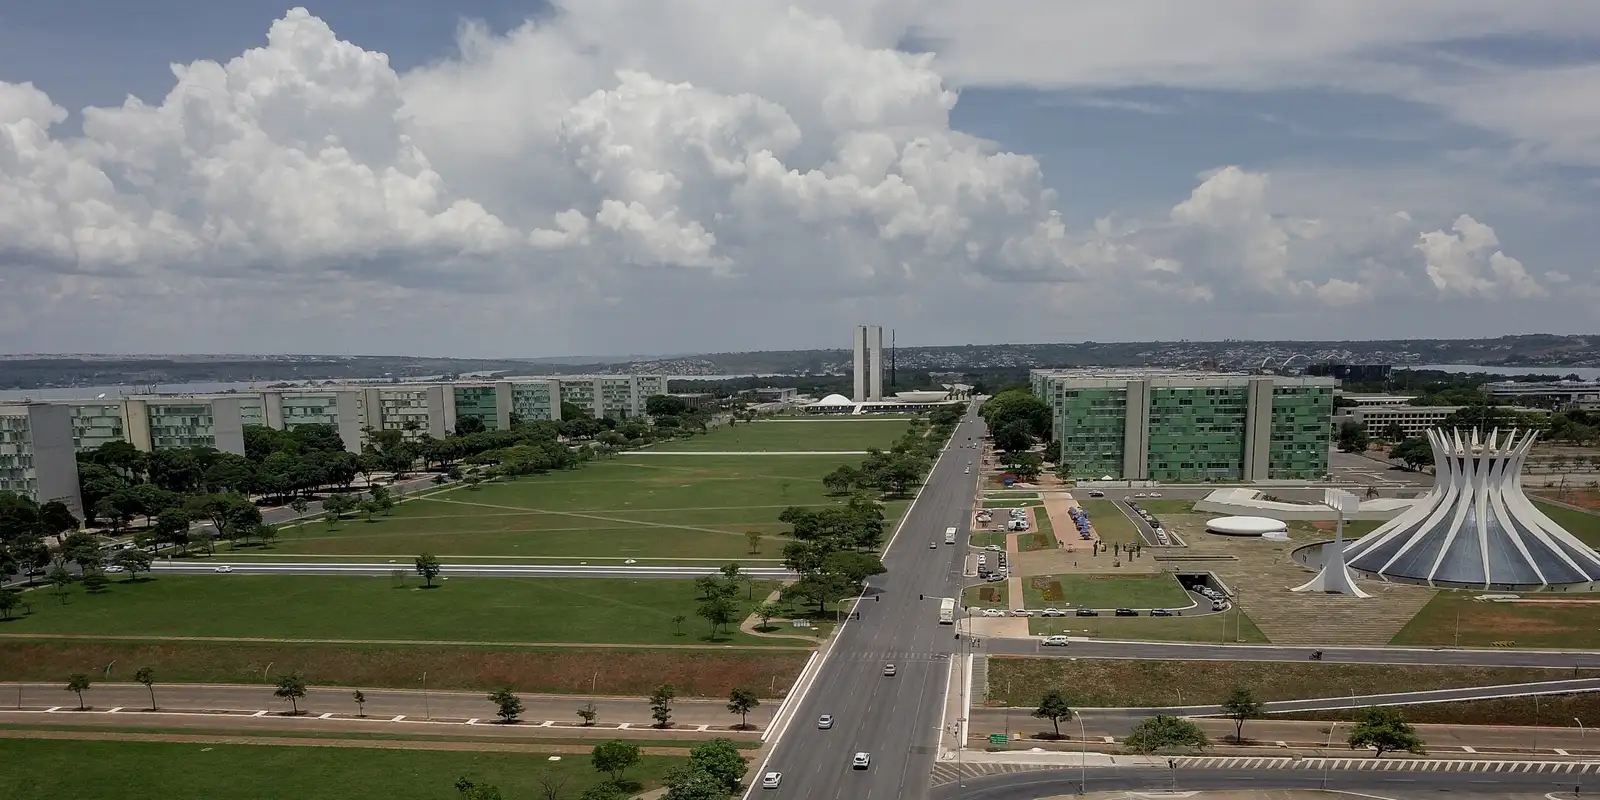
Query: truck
x: 950, y: 535
x: 947, y: 611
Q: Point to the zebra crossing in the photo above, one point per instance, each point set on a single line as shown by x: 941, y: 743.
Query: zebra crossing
x: 1388, y: 764
x: 892, y: 656
x: 945, y: 772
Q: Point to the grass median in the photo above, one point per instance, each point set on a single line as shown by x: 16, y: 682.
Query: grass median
x: 785, y: 437
x: 1454, y: 618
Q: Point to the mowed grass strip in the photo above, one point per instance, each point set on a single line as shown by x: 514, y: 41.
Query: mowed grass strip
x: 597, y: 734
x: 359, y: 607
x: 1483, y: 624
x: 1582, y: 525
x: 695, y: 673
x: 1020, y: 681
x: 1229, y: 626
x: 989, y: 595
x: 1109, y: 522
x: 1547, y: 710
x: 109, y: 770
x: 791, y: 436
x: 1107, y: 591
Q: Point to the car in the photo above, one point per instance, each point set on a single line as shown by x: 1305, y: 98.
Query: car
x: 995, y: 578
x: 995, y: 548
x: 771, y: 780
x: 825, y: 722
x: 223, y: 568
x: 1219, y: 605
x: 1162, y: 612
x: 1086, y: 612
x: 1056, y: 641
x: 861, y: 761
x: 1097, y: 493
x: 967, y: 471
x: 982, y: 559
x: 1052, y: 612
x: 1155, y: 494
x: 1127, y: 612
x: 933, y: 545
x: 1021, y: 612
x: 1141, y: 494
x: 116, y: 568
x: 888, y: 670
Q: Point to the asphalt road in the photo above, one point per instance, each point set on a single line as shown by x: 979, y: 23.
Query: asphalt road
x: 1172, y: 651
x: 474, y: 570
x: 896, y: 719
x: 1031, y: 785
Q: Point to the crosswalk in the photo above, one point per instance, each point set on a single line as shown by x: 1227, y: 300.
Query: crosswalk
x: 892, y: 656
x: 1388, y: 764
x: 945, y: 772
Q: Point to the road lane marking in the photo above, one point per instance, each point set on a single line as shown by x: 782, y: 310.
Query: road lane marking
x: 326, y: 715
x: 259, y: 714
x: 119, y: 708
x: 52, y: 709
x: 398, y: 718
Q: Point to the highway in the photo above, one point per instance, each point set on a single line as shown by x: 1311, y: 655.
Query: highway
x: 1031, y: 785
x: 896, y: 719
x: 464, y: 570
x: 1177, y: 651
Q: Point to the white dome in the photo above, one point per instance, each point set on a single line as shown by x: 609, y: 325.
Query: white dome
x: 1246, y: 526
x: 920, y: 397
x: 835, y: 400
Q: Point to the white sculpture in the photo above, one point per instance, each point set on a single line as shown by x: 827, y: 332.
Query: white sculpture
x: 1476, y: 527
x: 1335, y: 577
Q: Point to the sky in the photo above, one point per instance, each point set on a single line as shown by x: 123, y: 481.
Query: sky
x: 488, y: 178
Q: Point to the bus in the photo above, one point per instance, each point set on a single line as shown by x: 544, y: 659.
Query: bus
x: 950, y: 535
x: 947, y: 611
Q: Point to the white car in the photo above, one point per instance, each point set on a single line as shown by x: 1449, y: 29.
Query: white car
x: 888, y: 670
x: 1056, y: 641
x: 1021, y: 612
x: 1052, y: 612
x: 223, y: 568
x: 994, y: 612
x: 861, y: 761
x: 994, y: 547
x: 115, y: 568
x: 1141, y: 494
x: 967, y: 471
x: 771, y: 780
x: 933, y: 545
x: 1155, y: 494
x: 825, y: 722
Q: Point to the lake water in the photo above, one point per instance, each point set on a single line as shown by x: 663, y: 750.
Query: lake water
x: 1586, y: 373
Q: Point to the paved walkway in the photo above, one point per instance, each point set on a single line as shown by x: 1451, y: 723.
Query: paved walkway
x: 752, y: 622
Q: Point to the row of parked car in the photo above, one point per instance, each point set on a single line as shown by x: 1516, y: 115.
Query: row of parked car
x: 1150, y: 519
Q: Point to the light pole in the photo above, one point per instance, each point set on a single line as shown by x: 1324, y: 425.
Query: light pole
x: 1583, y: 736
x: 1326, y: 760
x: 1083, y: 756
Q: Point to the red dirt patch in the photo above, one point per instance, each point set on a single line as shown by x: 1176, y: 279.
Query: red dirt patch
x: 1322, y: 524
x: 1052, y: 592
x: 988, y: 594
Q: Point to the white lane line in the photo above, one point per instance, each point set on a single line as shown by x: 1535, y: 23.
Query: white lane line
x: 703, y: 728
x: 624, y: 726
x: 1468, y: 749
x: 472, y: 721
x: 119, y: 708
x: 547, y: 723
x: 52, y: 709
x: 259, y: 714
x: 1561, y: 752
x: 325, y: 715
x: 398, y: 718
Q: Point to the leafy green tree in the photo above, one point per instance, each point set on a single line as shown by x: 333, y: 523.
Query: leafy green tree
x: 9, y: 599
x: 719, y: 612
x: 299, y: 506
x: 369, y: 509
x: 147, y: 676
x: 742, y: 702
x: 55, y: 519
x: 1240, y: 706
x: 720, y: 759
x: 677, y: 624
x: 291, y: 687
x: 83, y: 549
x: 134, y: 560
x: 472, y: 790
x: 429, y: 568
x: 95, y: 582
x: 753, y: 539
x: 1352, y: 437
x: 604, y: 790
x: 615, y: 758
x: 766, y: 612
x: 1054, y: 707
x: 60, y: 579
x: 661, y: 704
x: 172, y: 527
x: 841, y: 479
x: 78, y: 683
x: 588, y: 714
x: 1385, y: 730
x: 508, y: 706
x: 1393, y: 432
x: 1163, y: 733
x: 1415, y: 453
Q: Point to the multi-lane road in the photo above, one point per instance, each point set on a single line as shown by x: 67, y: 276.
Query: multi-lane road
x: 895, y: 719
x: 1174, y: 651
x: 460, y: 569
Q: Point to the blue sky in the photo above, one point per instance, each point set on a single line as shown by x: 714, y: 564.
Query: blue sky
x: 1354, y: 132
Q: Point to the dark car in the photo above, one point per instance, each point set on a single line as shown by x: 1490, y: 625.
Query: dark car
x: 1086, y: 612
x: 1127, y: 612
x: 1162, y: 612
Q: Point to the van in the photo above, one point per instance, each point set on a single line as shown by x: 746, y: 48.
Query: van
x: 1219, y: 605
x: 1097, y: 493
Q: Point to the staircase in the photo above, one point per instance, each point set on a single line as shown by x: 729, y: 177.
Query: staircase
x: 980, y: 680
x: 1327, y: 620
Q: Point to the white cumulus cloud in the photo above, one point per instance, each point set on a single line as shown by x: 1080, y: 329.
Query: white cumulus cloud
x: 1469, y: 263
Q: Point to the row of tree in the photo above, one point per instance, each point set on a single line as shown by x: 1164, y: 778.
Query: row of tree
x: 712, y: 772
x: 1381, y: 728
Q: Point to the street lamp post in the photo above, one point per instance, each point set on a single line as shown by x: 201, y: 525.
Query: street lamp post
x: 1583, y: 737
x: 1326, y: 760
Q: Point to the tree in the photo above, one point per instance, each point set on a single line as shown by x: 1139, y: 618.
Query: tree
x: 299, y: 506
x: 1415, y: 453
x: 9, y: 599
x: 55, y: 519
x: 550, y: 785
x: 1352, y: 437
x: 767, y: 611
x: 508, y: 706
x: 720, y: 759
x: 82, y: 548
x: 588, y: 714
x: 1164, y: 732
x: 78, y: 683
x: 291, y: 687
x: 753, y: 539
x: 1393, y: 432
x: 135, y: 560
x: 429, y: 568
x: 147, y: 676
x: 361, y: 703
x: 742, y: 702
x: 688, y: 783
x: 370, y: 509
x: 677, y: 624
x: 1385, y: 730
x: 661, y: 705
x: 95, y: 582
x: 472, y: 790
x: 172, y: 527
x: 719, y: 611
x: 841, y: 479
x: 1054, y: 707
x: 1242, y: 705
x: 1012, y: 436
x: 614, y: 758
x: 605, y: 791
x: 60, y: 579
x: 466, y: 426
x: 266, y: 533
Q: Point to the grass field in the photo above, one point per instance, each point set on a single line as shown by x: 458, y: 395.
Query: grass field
x: 1481, y: 624
x: 1109, y: 522
x: 1012, y: 503
x: 105, y: 770
x: 997, y: 538
x: 793, y: 436
x: 1042, y: 537
x: 1117, y: 684
x: 989, y: 595
x: 1584, y: 526
x: 1161, y: 506
x: 1230, y: 626
x: 1104, y: 591
x: 631, y: 671
x: 643, y: 507
x: 1550, y: 711
x: 341, y: 607
x: 377, y: 739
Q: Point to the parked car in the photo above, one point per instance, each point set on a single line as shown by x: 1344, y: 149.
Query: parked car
x: 1086, y: 612
x: 1097, y: 493
x: 1052, y: 612
x: 994, y: 612
x: 994, y: 578
x: 1056, y: 641
x: 1021, y: 612
x: 1163, y: 612
x: 1127, y: 612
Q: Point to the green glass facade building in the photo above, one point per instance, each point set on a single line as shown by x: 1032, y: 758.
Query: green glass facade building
x: 1189, y: 427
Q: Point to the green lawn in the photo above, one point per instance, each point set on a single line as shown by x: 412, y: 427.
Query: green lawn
x: 1105, y: 592
x: 1221, y: 627
x: 1042, y: 537
x: 95, y: 770
x: 340, y: 607
x: 997, y: 538
x: 627, y: 507
x: 989, y: 595
x: 1012, y: 503
x: 1161, y: 507
x: 792, y: 436
x: 1109, y: 521
x: 1584, y: 526
x: 1481, y: 624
